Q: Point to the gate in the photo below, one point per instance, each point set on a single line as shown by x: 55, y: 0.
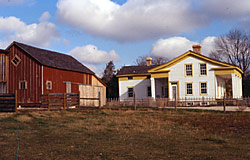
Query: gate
x: 91, y: 96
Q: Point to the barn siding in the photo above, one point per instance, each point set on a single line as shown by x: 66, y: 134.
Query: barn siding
x: 59, y: 77
x: 4, y: 68
x: 28, y: 70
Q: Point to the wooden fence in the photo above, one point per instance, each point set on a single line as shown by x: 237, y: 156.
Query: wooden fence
x: 58, y: 101
x: 64, y: 101
x: 8, y: 102
x: 181, y: 102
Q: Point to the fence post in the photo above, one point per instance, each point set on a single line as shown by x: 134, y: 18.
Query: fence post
x: 16, y: 102
x: 176, y: 104
x: 224, y: 104
x: 99, y: 99
x: 134, y: 101
x: 79, y: 99
x: 48, y: 103
x: 64, y: 101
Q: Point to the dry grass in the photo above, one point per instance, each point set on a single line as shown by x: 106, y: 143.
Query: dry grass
x: 125, y: 135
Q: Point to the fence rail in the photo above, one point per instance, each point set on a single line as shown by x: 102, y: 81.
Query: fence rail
x: 55, y: 101
x: 8, y: 103
x: 60, y: 100
x: 181, y: 102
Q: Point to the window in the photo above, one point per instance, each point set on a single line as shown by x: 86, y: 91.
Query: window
x: 203, y: 69
x: 68, y: 87
x: 49, y: 85
x: 23, y: 84
x: 16, y: 60
x: 189, y: 69
x: 189, y: 88
x: 130, y: 92
x: 149, y: 91
x: 203, y: 86
x: 148, y: 77
x: 130, y: 77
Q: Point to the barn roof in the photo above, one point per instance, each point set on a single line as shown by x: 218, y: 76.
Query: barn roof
x: 53, y: 59
x: 4, y: 51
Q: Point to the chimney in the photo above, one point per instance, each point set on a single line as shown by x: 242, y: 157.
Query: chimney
x: 197, y: 48
x: 149, y: 61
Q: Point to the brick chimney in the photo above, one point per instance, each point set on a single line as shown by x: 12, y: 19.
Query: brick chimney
x: 197, y: 48
x: 149, y: 61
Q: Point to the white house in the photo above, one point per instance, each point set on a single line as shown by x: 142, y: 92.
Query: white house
x: 191, y: 75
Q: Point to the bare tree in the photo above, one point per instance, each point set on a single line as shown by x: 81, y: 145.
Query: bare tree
x: 141, y: 61
x: 233, y: 48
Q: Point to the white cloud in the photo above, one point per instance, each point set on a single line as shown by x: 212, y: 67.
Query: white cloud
x: 12, y: 28
x: 92, y: 55
x: 132, y: 21
x: 96, y: 70
x: 44, y: 17
x: 208, y: 44
x: 148, y: 19
x: 175, y: 46
x: 171, y: 47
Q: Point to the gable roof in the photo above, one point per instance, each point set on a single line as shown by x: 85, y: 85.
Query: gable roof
x: 52, y: 59
x: 134, y: 70
x: 125, y: 70
x: 200, y: 56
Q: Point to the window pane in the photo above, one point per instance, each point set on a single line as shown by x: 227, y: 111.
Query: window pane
x: 189, y: 70
x: 203, y: 88
x: 203, y: 69
x: 130, y: 92
x: 189, y: 88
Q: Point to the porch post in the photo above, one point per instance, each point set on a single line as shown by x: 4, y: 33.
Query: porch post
x: 152, y: 87
x: 234, y: 86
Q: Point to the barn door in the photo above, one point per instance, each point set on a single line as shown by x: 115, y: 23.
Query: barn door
x: 3, y: 87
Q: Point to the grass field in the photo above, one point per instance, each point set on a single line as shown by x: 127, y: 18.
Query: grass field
x: 104, y: 134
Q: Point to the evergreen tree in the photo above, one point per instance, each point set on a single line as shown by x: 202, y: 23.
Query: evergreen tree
x: 110, y: 79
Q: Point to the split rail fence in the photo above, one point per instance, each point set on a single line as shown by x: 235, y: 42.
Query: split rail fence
x: 8, y: 102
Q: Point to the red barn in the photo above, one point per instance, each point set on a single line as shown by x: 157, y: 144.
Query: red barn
x: 33, y: 71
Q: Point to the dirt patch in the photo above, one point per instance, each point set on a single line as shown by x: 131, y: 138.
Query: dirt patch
x: 220, y: 123
x: 24, y: 118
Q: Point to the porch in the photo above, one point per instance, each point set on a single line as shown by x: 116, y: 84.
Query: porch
x: 227, y: 84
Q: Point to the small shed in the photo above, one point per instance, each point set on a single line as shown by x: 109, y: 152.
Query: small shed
x: 94, y: 95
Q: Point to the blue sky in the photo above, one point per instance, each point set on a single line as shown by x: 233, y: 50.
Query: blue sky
x: 97, y: 31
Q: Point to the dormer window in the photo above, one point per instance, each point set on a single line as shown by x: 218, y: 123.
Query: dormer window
x: 16, y: 60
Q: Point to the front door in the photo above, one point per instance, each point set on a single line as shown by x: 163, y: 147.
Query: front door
x: 174, y: 91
